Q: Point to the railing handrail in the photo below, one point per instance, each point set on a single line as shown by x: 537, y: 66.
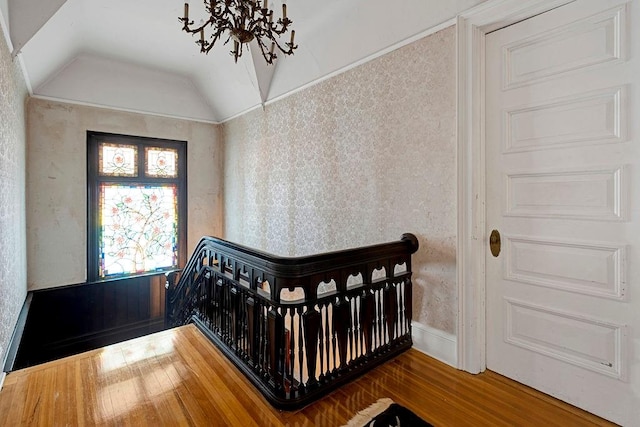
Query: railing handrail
x: 295, y: 351
x: 291, y: 268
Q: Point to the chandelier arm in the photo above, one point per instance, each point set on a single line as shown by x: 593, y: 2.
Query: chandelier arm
x: 287, y: 51
x: 267, y: 54
x: 186, y: 25
x: 221, y: 24
x: 283, y: 23
x: 216, y: 36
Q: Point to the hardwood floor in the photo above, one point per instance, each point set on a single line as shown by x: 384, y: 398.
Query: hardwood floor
x: 177, y: 377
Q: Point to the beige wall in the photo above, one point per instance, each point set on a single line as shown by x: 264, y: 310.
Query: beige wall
x: 13, y: 272
x: 57, y: 188
x: 358, y: 159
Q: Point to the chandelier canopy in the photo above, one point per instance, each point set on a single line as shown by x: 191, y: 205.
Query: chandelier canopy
x: 242, y: 20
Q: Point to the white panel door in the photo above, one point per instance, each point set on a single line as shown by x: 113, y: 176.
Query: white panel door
x: 563, y: 190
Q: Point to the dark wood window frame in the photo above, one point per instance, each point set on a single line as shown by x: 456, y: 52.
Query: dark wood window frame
x: 94, y: 180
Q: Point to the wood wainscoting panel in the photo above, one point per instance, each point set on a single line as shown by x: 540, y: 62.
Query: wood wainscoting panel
x: 72, y: 319
x: 177, y: 377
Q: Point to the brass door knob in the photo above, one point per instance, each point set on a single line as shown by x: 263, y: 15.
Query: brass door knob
x: 494, y: 243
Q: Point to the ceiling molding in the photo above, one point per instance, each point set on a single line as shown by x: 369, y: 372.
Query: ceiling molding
x: 124, y: 110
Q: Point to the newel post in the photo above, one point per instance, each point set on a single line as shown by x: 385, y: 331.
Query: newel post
x: 169, y: 288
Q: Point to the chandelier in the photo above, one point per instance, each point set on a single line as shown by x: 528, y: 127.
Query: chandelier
x: 242, y: 21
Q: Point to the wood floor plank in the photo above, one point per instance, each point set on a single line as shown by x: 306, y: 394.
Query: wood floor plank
x: 178, y: 377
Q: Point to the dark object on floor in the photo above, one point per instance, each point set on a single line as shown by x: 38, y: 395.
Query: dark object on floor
x: 396, y: 416
x: 386, y: 413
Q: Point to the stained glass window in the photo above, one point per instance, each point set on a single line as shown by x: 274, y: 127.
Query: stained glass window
x: 139, y: 228
x: 136, y: 205
x: 161, y: 162
x: 118, y: 159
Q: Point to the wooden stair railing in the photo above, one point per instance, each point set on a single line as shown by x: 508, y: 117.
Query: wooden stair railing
x: 297, y: 327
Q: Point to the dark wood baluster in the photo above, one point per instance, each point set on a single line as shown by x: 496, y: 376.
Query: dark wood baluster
x: 342, y: 327
x: 408, y: 304
x: 391, y: 309
x: 235, y: 335
x: 208, y: 312
x: 201, y: 302
x: 311, y: 320
x: 358, y: 328
x: 334, y: 341
x: 300, y: 344
x: 354, y: 320
x: 381, y: 319
x: 292, y: 347
x: 217, y: 299
x: 374, y: 323
x: 367, y: 320
x: 198, y: 299
x: 276, y: 353
x: 228, y: 327
x: 194, y: 300
x: 259, y: 335
x: 222, y: 311
x: 353, y: 345
x: 240, y: 325
x: 400, y: 312
x: 205, y: 293
x: 334, y: 349
x: 264, y: 337
x: 374, y: 320
x: 226, y: 313
x: 228, y: 317
x: 217, y: 296
x: 243, y: 322
x: 400, y: 289
x: 327, y: 330
x: 214, y: 305
x: 321, y: 343
x: 252, y: 319
x: 401, y: 301
x: 202, y: 291
x: 247, y: 325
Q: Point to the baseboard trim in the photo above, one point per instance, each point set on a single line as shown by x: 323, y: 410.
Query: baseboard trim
x: 435, y: 343
x: 16, y: 337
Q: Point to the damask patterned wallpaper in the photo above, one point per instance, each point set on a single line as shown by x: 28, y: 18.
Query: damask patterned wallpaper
x: 357, y: 159
x: 13, y: 280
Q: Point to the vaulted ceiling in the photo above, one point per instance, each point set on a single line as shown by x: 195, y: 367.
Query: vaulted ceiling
x: 132, y: 54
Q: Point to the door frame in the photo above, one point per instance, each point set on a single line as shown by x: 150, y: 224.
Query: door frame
x: 472, y: 28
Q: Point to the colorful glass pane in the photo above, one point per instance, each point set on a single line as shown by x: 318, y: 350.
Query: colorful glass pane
x: 118, y: 160
x: 161, y: 162
x: 139, y: 228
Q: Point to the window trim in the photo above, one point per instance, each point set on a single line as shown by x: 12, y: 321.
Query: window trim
x: 94, y: 180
